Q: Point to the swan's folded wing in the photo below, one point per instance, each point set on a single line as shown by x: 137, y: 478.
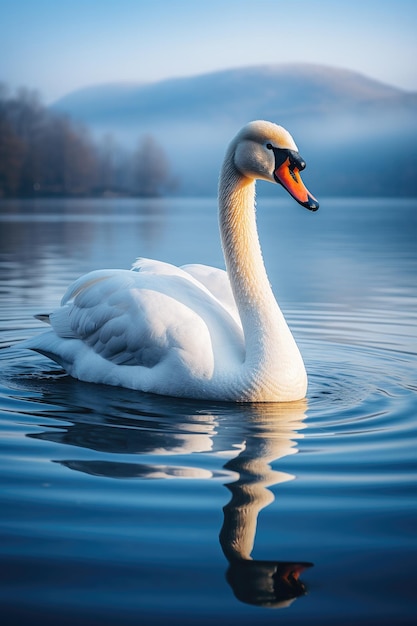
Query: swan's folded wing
x: 218, y: 283
x: 137, y: 318
x: 212, y: 279
x: 117, y: 316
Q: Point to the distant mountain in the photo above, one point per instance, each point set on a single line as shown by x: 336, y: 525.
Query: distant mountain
x: 357, y: 135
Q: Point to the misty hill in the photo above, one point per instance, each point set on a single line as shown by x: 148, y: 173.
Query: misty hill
x: 357, y: 135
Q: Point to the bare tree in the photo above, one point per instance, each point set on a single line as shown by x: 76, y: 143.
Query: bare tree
x: 113, y: 165
x: 11, y: 158
x: 151, y: 175
x: 44, y: 153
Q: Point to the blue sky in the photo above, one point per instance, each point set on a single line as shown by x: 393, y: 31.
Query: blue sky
x: 59, y: 46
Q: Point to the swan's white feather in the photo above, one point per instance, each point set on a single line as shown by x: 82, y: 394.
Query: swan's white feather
x: 218, y: 283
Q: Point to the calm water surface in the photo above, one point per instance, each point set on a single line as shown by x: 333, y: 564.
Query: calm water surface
x: 123, y: 508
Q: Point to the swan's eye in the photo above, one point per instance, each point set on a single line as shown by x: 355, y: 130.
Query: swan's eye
x: 269, y: 146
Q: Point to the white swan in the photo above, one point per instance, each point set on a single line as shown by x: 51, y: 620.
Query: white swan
x: 193, y: 331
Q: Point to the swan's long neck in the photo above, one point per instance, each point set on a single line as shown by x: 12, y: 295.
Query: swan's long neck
x: 273, y: 364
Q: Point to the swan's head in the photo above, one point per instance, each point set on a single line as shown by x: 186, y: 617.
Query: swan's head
x: 267, y: 151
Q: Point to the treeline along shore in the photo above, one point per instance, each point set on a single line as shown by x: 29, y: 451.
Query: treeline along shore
x: 45, y: 153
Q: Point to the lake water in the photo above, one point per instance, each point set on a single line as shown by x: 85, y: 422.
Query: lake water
x: 120, y: 508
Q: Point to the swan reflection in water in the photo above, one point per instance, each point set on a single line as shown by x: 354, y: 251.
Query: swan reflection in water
x: 264, y: 583
x: 256, y: 435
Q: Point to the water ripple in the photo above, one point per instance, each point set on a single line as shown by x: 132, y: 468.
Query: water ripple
x: 156, y: 502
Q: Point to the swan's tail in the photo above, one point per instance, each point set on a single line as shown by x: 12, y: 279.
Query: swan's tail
x: 43, y: 317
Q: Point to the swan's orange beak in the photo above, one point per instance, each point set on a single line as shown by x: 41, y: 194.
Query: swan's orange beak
x: 288, y: 175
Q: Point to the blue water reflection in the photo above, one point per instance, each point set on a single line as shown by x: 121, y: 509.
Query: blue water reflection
x: 124, y: 508
x: 264, y: 435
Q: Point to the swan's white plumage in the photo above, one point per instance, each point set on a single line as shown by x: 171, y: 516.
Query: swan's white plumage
x: 218, y: 283
x: 191, y: 331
